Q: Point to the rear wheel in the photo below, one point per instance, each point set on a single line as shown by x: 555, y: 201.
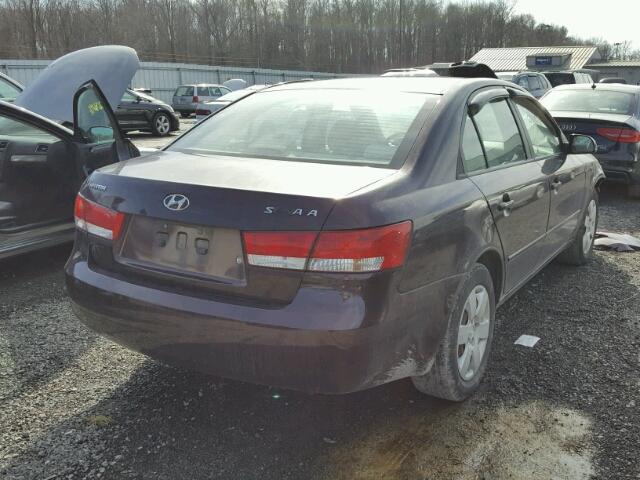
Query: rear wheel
x: 185, y: 114
x: 581, y: 249
x: 161, y: 124
x: 462, y: 355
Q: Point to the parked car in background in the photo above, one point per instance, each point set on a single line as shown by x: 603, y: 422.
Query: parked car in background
x: 9, y: 88
x: 534, y: 82
x: 204, y: 109
x: 138, y: 111
x: 610, y: 113
x: 186, y: 97
x: 42, y: 162
x: 613, y: 80
x: 568, y: 78
x: 320, y: 237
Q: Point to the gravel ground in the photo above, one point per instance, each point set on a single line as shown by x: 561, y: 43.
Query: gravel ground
x: 74, y: 405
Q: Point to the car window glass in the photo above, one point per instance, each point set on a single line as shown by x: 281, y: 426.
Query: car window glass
x: 184, y: 91
x: 499, y: 134
x: 203, y: 92
x: 523, y: 82
x: 331, y: 126
x: 544, y: 139
x: 8, y: 92
x: 128, y: 97
x: 472, y: 154
x: 216, y: 92
x: 13, y: 130
x: 534, y: 83
x: 590, y: 100
x: 93, y: 122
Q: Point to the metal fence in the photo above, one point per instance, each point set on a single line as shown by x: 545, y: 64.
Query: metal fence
x: 163, y: 78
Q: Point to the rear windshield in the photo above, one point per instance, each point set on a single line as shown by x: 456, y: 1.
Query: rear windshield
x: 560, y: 78
x: 184, y: 91
x: 329, y: 126
x: 602, y: 101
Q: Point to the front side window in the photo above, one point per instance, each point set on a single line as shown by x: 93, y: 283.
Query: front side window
x: 499, y: 134
x: 92, y: 121
x: 8, y: 91
x: 544, y: 139
x: 472, y: 154
x: 326, y: 125
x: 128, y: 97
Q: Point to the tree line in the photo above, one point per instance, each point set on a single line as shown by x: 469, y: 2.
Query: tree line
x: 350, y: 36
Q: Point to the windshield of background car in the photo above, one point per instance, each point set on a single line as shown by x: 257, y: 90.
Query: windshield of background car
x: 594, y: 101
x: 560, y: 78
x: 358, y: 127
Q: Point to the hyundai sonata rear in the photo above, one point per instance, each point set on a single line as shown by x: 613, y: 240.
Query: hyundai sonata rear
x: 226, y: 252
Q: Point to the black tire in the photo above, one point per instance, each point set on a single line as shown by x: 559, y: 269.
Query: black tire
x: 633, y: 190
x: 576, y: 253
x: 445, y: 380
x: 161, y: 124
x: 185, y: 114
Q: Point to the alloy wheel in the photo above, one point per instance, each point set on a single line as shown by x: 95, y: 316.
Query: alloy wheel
x: 473, y: 332
x: 162, y: 124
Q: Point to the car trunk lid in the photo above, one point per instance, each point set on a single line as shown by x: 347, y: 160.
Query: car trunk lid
x: 599, y: 126
x: 201, y: 244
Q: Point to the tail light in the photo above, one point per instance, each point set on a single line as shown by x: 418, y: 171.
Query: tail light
x: 348, y: 251
x: 622, y: 135
x: 202, y: 112
x: 195, y: 99
x: 97, y: 220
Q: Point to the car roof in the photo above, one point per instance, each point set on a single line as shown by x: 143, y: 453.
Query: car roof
x: 432, y: 85
x: 201, y: 85
x: 614, y: 87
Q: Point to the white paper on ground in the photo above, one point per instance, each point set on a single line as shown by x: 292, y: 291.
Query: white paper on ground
x: 527, y: 340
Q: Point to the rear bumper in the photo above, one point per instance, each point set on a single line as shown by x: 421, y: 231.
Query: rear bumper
x: 185, y: 107
x: 360, y: 346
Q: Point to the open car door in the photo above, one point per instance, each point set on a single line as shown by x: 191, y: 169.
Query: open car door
x: 97, y: 137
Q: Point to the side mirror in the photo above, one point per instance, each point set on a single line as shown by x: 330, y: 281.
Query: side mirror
x: 101, y: 134
x: 580, y: 144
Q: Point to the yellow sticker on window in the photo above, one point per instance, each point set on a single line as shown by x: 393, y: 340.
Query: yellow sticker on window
x: 95, y: 107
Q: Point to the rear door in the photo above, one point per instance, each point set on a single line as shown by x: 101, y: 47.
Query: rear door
x: 97, y: 137
x: 566, y: 174
x: 514, y: 185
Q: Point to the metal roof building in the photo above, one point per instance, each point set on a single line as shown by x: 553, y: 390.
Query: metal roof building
x: 537, y: 58
x: 629, y: 70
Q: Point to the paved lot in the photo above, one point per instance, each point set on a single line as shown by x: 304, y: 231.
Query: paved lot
x: 74, y: 405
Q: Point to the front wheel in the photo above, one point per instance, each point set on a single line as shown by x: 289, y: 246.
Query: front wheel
x: 462, y: 355
x: 161, y: 124
x: 581, y: 249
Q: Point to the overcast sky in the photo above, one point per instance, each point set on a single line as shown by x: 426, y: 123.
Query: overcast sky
x: 613, y: 20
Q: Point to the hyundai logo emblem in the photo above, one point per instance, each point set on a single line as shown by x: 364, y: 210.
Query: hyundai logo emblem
x: 176, y: 202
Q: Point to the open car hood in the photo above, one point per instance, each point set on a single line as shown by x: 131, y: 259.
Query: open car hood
x: 51, y: 94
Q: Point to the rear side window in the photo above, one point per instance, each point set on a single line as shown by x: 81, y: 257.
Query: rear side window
x: 544, y: 139
x: 523, y: 82
x: 534, y: 83
x: 472, y: 154
x: 329, y: 126
x: 499, y: 134
x: 184, y: 91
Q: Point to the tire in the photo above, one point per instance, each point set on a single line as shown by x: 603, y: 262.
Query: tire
x: 634, y: 190
x: 185, y: 114
x: 448, y: 378
x: 581, y: 249
x: 161, y: 124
